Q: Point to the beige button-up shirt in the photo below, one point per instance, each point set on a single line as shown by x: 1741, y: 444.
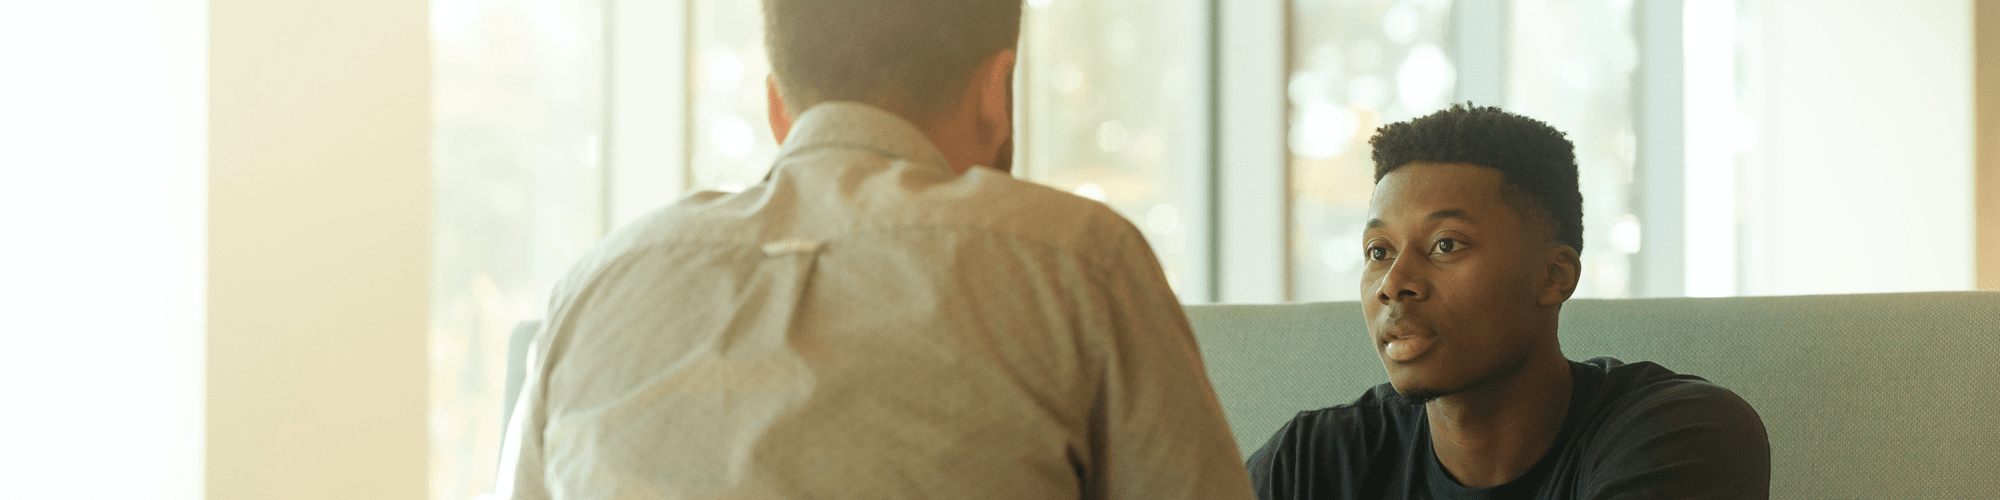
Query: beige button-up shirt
x: 867, y: 324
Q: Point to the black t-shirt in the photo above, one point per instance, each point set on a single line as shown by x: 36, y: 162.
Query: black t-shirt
x: 1633, y: 431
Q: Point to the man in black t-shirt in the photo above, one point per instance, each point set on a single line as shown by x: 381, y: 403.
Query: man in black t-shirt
x: 1471, y: 248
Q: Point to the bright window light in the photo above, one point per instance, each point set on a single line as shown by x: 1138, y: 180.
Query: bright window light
x: 1709, y: 34
x: 102, y: 183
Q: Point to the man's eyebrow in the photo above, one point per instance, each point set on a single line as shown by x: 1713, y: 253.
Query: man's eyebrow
x: 1449, y: 213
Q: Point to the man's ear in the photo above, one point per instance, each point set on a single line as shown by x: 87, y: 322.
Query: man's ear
x: 781, y: 123
x: 995, y: 100
x: 1564, y: 269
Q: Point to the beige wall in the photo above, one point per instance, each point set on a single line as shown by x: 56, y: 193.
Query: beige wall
x: 319, y: 247
x: 1986, y: 54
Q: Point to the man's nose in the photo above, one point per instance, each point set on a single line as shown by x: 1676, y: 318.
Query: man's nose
x: 1403, y: 281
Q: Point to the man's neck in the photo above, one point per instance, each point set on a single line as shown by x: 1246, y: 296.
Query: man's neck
x: 1490, y: 435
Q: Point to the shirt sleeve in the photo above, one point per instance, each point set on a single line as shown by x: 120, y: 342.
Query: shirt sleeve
x: 1690, y: 441
x: 521, y: 474
x: 1269, y: 466
x: 1157, y: 429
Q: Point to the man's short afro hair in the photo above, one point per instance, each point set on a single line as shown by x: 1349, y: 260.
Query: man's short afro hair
x: 1534, y: 158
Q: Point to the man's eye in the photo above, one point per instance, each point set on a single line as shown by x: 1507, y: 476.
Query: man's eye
x: 1376, y: 253
x: 1447, y: 245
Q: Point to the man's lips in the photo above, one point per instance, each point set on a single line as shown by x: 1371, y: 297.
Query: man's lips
x: 1408, y: 349
x: 1405, y: 343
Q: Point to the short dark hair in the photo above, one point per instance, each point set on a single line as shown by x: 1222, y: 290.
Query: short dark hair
x: 1534, y: 158
x: 912, y: 57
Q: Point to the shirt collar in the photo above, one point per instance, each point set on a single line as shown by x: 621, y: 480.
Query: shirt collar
x: 857, y: 125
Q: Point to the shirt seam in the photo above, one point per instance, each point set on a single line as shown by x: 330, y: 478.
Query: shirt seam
x: 1096, y: 259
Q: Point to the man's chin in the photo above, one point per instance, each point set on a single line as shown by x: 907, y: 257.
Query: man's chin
x: 1411, y: 388
x: 1418, y: 397
x: 1416, y: 394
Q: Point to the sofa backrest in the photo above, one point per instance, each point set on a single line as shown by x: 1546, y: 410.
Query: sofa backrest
x: 1863, y: 396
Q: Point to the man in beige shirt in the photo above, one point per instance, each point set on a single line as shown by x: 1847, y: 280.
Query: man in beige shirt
x: 887, y: 316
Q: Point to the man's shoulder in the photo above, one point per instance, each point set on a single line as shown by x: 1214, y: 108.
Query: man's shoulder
x: 1374, y: 420
x: 1639, y: 389
x: 1376, y: 407
x: 983, y: 201
x: 705, y: 216
x: 701, y: 222
x: 1643, y: 408
x: 874, y: 202
x: 1676, y: 433
x: 996, y: 201
x: 1323, y: 450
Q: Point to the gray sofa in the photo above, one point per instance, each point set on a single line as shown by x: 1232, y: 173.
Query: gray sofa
x: 1864, y: 396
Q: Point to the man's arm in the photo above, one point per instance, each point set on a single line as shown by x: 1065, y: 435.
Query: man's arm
x: 1324, y: 454
x: 1158, y: 431
x: 1270, y: 467
x: 1690, y: 441
x: 521, y: 475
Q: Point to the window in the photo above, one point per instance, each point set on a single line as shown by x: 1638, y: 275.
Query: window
x: 732, y: 145
x: 1113, y: 107
x: 518, y: 197
x: 1580, y: 82
x: 1355, y: 66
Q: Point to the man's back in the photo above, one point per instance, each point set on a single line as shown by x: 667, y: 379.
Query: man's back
x: 868, y: 325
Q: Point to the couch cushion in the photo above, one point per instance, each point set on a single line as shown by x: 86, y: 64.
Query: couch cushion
x: 1864, y: 396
